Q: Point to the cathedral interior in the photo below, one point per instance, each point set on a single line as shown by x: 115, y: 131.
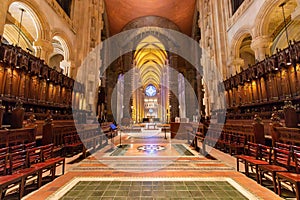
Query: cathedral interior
x: 129, y: 99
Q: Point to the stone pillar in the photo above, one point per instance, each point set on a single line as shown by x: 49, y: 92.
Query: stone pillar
x: 236, y: 65
x: 261, y: 46
x: 72, y: 69
x: 3, y: 11
x: 127, y: 58
x: 173, y: 81
x: 44, y: 49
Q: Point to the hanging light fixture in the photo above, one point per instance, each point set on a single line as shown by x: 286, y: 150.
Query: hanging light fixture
x: 20, y: 25
x: 285, y: 27
x: 285, y: 23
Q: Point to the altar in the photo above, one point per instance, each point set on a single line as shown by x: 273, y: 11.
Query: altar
x: 151, y: 126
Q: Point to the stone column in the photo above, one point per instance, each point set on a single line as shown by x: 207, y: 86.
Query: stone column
x: 3, y: 11
x: 261, y: 46
x: 73, y: 69
x: 236, y: 65
x: 173, y: 83
x: 127, y: 59
x: 44, y: 49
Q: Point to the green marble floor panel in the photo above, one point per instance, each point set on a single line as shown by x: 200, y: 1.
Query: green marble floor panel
x: 153, y: 190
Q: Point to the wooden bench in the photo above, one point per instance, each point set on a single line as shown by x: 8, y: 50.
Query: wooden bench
x: 17, y: 167
x: 17, y: 136
x: 290, y: 177
x: 286, y: 135
x: 91, y: 136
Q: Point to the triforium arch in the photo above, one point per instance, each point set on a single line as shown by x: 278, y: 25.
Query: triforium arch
x: 238, y: 39
x: 62, y: 46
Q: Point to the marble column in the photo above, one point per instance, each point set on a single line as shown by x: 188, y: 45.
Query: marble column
x: 3, y: 11
x: 261, y: 46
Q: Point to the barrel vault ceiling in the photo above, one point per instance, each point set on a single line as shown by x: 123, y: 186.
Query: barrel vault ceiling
x: 120, y: 12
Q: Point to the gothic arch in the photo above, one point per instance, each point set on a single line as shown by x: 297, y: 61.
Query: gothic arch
x: 262, y: 22
x: 65, y: 41
x: 237, y: 40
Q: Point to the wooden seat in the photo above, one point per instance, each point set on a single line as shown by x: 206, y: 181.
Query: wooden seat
x: 258, y: 155
x: 3, y: 164
x: 237, y: 144
x: 47, y: 157
x: 251, y: 153
x: 283, y: 146
x: 72, y: 145
x: 18, y: 173
x: 4, y: 151
x: 264, y: 158
x: 16, y: 148
x: 34, y: 158
x: 30, y: 145
x: 293, y: 178
x: 281, y: 163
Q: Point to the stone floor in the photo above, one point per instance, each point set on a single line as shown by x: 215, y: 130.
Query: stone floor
x: 153, y: 190
x: 154, y: 173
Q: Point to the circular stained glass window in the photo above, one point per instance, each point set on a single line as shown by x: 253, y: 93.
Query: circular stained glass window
x: 150, y: 91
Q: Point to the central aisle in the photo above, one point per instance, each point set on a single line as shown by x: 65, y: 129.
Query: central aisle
x: 152, y: 168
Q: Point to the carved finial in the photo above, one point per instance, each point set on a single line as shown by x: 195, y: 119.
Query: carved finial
x: 31, y: 120
x: 288, y: 105
x: 257, y: 119
x: 19, y: 104
x: 275, y: 118
x: 49, y: 118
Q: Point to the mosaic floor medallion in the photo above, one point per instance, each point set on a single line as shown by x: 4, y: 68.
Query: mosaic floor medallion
x: 174, y: 150
x: 151, y: 148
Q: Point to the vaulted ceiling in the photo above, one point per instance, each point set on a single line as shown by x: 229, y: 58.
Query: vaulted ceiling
x: 150, y: 58
x: 121, y: 12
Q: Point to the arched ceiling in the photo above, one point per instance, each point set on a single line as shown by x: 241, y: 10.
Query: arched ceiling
x: 276, y: 22
x: 28, y: 21
x: 121, y: 12
x: 150, y: 57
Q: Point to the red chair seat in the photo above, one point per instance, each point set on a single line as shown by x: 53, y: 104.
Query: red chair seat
x: 292, y: 177
x: 9, y: 179
x: 26, y: 171
x: 244, y: 157
x: 273, y: 168
x: 257, y: 162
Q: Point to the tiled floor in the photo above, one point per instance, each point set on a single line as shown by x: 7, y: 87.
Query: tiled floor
x: 123, y: 190
x: 171, y: 163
